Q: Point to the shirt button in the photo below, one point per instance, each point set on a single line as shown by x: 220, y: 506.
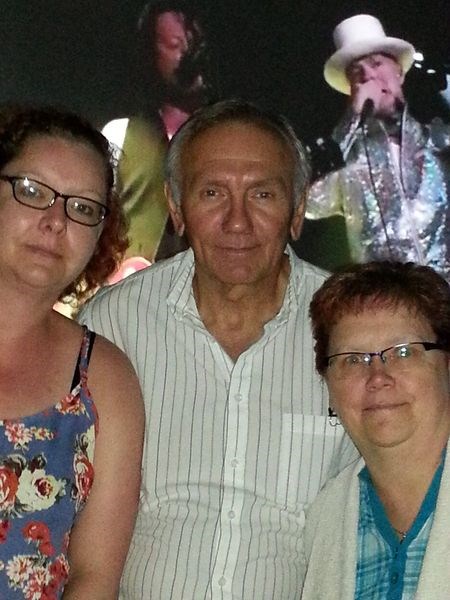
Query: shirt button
x: 234, y: 463
x: 238, y: 397
x: 394, y: 578
x: 222, y: 581
x: 231, y: 514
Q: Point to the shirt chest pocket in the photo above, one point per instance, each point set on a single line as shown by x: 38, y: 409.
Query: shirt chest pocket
x: 310, y: 449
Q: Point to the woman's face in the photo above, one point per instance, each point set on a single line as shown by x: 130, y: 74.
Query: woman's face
x: 402, y: 400
x: 43, y: 250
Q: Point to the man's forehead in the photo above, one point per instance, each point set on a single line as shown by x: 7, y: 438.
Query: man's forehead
x: 234, y: 146
x: 240, y: 138
x: 236, y: 127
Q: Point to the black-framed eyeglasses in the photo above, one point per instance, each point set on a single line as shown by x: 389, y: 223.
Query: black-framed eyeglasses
x: 401, y: 356
x: 35, y: 194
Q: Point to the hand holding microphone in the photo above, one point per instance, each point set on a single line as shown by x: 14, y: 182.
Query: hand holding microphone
x: 366, y: 98
x: 375, y: 98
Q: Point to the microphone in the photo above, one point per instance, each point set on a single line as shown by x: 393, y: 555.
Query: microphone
x: 366, y: 111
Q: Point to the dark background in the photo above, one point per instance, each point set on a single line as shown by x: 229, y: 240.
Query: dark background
x: 80, y: 54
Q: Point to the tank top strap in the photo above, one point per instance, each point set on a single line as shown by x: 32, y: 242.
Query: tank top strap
x: 84, y: 356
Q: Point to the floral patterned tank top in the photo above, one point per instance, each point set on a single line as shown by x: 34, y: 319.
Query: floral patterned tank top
x: 46, y: 473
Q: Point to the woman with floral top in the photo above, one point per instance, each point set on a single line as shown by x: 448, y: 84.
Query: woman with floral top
x: 70, y: 410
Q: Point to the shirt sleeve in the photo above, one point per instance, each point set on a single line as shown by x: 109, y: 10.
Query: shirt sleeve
x: 325, y: 197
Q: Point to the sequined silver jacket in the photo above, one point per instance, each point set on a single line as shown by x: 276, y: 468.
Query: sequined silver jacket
x: 391, y: 212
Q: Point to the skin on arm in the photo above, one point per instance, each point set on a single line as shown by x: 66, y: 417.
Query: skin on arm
x: 102, y: 532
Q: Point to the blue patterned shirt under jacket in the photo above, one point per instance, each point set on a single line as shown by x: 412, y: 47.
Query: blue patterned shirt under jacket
x: 389, y: 566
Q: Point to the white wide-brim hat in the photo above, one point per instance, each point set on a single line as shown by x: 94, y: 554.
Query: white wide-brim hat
x: 356, y: 37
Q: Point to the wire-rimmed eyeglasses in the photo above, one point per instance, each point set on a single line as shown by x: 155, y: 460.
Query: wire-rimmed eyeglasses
x: 401, y: 356
x: 35, y: 194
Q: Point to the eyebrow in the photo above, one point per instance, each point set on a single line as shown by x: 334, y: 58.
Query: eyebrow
x: 270, y: 181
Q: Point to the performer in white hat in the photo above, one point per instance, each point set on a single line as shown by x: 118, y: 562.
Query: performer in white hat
x: 357, y: 38
x: 392, y: 189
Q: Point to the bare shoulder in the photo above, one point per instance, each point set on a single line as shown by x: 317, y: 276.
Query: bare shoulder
x: 112, y: 378
x: 111, y: 508
x: 107, y: 355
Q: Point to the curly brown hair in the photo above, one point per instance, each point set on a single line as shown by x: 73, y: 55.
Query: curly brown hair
x: 20, y: 123
x: 376, y: 285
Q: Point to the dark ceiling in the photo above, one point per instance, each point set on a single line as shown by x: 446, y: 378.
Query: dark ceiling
x: 80, y: 53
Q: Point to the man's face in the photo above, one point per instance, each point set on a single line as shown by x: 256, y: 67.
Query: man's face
x: 175, y: 42
x: 381, y: 77
x: 237, y: 205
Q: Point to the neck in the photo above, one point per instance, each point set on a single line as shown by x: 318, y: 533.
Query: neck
x: 236, y: 314
x: 393, y: 126
x: 402, y: 476
x: 23, y: 327
x: 173, y: 118
x: 28, y: 311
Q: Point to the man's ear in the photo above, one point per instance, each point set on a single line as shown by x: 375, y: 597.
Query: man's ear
x: 174, y: 211
x: 298, y: 217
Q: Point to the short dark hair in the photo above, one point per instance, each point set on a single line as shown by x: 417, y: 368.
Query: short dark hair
x: 152, y: 10
x: 379, y: 285
x: 18, y: 124
x: 146, y: 34
x: 241, y: 111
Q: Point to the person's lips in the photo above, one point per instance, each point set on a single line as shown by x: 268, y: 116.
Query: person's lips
x: 378, y: 407
x: 238, y: 247
x: 44, y: 251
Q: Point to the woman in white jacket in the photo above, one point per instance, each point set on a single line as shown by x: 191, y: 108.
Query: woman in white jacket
x: 380, y: 529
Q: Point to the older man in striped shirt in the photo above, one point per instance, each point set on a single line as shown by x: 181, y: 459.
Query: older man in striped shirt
x: 237, y: 438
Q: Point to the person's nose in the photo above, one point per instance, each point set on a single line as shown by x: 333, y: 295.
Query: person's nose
x: 238, y: 218
x: 378, y: 373
x: 54, y: 217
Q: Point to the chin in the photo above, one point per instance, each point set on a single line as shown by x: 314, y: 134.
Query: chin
x: 392, y: 108
x: 237, y: 276
x: 388, y: 437
x: 387, y: 442
x: 385, y: 112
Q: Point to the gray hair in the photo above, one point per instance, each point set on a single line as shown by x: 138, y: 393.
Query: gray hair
x: 234, y: 110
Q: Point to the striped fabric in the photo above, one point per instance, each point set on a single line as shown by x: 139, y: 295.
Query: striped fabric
x: 234, y: 450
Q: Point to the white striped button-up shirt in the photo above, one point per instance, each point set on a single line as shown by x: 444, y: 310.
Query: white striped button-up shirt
x: 234, y: 450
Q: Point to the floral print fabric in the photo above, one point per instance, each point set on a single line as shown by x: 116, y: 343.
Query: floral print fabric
x: 46, y: 473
